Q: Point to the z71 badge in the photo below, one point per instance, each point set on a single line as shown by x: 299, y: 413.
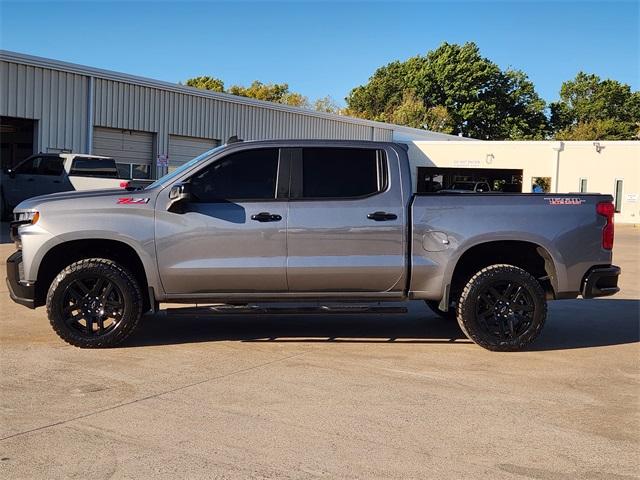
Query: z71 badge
x: 132, y: 201
x: 564, y: 200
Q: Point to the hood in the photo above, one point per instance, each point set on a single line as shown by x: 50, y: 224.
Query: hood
x: 35, y: 202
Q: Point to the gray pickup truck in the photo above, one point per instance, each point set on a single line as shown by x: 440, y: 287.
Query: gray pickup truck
x: 330, y: 225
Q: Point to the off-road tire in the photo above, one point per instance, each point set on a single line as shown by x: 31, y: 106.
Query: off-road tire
x: 448, y: 315
x: 469, y: 320
x: 132, y: 300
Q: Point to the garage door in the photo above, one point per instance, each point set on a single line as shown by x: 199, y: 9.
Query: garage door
x: 132, y: 150
x: 183, y: 149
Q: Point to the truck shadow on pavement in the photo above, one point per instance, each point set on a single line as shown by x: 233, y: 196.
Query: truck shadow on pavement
x: 570, y: 324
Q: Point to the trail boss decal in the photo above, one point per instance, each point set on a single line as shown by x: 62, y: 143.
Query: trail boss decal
x: 132, y: 201
x: 564, y: 201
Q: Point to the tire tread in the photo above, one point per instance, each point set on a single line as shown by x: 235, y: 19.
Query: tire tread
x: 121, y: 333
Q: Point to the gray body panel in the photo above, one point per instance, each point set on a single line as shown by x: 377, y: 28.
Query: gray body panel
x: 325, y: 249
x: 570, y: 234
x: 216, y: 247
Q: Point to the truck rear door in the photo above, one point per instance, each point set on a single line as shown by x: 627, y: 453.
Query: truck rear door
x: 346, y: 228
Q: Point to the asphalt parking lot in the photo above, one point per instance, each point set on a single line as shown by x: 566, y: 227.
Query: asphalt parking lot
x: 337, y: 397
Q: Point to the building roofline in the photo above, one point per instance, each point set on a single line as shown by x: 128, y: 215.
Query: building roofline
x: 43, y: 62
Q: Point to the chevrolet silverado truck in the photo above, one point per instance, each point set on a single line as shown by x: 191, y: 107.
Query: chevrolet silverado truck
x: 328, y: 225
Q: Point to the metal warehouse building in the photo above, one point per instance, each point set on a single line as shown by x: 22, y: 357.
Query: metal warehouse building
x: 52, y: 106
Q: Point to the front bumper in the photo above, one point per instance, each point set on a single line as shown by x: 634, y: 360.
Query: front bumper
x: 601, y: 282
x: 20, y: 292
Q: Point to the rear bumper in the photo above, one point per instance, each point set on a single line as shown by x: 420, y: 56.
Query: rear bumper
x: 20, y: 292
x: 601, y: 282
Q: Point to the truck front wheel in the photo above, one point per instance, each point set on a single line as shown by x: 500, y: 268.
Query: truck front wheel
x: 502, y: 308
x: 94, y: 303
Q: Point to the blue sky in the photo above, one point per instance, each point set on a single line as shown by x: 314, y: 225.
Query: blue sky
x: 322, y: 48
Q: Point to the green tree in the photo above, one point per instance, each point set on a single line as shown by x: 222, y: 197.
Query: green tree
x: 593, y: 109
x: 411, y: 112
x: 206, y: 83
x: 439, y: 120
x: 480, y: 99
x: 269, y: 92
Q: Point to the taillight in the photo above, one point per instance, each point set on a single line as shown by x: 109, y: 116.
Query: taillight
x: 606, y: 209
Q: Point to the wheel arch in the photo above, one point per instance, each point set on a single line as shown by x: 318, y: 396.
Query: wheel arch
x: 528, y: 255
x: 64, y: 253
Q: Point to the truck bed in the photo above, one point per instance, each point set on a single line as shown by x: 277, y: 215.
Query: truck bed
x: 446, y: 225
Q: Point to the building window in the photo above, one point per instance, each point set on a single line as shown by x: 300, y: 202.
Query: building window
x: 617, y: 197
x: 583, y: 185
x: 133, y: 170
x: 541, y: 184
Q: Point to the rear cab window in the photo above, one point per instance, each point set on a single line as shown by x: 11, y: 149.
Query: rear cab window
x: 94, y: 167
x: 340, y: 173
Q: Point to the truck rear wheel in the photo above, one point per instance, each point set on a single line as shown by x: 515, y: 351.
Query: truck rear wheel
x: 502, y: 308
x: 94, y: 303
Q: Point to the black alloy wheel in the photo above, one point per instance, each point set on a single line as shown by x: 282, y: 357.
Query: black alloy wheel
x: 92, y: 305
x: 94, y: 302
x: 502, y: 308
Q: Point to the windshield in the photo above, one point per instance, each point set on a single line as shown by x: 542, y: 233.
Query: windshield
x: 462, y: 186
x: 178, y: 171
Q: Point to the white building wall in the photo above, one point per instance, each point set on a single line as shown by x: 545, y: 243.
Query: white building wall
x: 601, y: 163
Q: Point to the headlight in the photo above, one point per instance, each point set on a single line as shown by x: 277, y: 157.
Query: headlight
x: 22, y: 218
x: 26, y: 218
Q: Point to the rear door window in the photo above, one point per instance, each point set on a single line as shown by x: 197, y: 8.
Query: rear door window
x: 342, y: 173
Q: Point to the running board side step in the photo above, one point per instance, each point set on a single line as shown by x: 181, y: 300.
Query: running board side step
x: 279, y: 310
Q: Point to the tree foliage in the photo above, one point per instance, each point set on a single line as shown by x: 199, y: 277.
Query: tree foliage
x: 206, y: 83
x: 326, y: 104
x: 480, y: 99
x: 593, y: 109
x: 269, y: 92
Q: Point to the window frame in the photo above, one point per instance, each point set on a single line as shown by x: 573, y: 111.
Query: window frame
x: 617, y: 199
x: 585, y: 181
x: 296, y: 183
x: 281, y: 192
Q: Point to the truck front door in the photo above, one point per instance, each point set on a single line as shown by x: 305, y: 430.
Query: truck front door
x: 346, y: 228
x: 232, y: 236
x: 37, y: 175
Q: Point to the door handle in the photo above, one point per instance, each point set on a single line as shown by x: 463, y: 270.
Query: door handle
x: 30, y: 179
x: 266, y: 217
x: 382, y: 216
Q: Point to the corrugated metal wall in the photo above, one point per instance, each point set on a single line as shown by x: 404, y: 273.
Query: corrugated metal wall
x: 129, y: 106
x: 59, y: 101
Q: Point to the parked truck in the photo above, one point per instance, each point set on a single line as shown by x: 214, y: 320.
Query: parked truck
x: 333, y: 225
x: 46, y: 173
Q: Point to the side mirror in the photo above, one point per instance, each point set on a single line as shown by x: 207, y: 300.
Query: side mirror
x: 179, y: 195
